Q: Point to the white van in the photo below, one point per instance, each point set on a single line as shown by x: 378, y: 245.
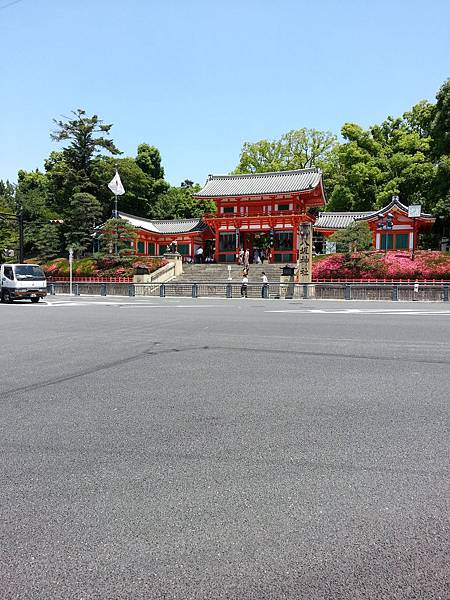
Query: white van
x: 22, y: 282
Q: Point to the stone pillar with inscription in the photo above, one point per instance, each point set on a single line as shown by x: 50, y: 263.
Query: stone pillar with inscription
x: 304, y: 262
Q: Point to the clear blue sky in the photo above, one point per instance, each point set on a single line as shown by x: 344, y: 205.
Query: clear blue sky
x: 197, y: 78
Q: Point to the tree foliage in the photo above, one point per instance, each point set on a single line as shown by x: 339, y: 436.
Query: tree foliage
x: 118, y: 234
x: 8, y: 227
x: 81, y: 171
x: 440, y: 126
x: 374, y: 164
x: 179, y: 203
x: 356, y: 236
x: 82, y: 217
x: 142, y: 191
x: 296, y: 149
x: 87, y: 137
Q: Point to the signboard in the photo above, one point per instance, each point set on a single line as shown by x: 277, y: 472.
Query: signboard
x: 304, y: 263
x: 330, y: 247
x: 415, y: 210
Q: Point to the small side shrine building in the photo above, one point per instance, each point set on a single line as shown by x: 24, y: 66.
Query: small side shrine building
x: 402, y: 236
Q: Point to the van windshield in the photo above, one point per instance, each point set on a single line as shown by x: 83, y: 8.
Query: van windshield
x: 29, y: 273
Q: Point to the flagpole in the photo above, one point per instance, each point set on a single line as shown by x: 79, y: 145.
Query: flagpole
x: 117, y: 228
x: 115, y: 185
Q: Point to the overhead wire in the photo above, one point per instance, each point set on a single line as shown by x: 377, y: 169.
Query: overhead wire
x: 10, y: 4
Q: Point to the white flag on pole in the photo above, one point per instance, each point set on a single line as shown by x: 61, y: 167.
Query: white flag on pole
x: 115, y: 185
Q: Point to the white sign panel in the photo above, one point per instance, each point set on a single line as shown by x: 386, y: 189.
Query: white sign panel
x: 415, y: 210
x: 330, y: 247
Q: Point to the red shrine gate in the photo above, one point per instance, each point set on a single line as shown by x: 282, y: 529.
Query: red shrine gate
x: 261, y: 211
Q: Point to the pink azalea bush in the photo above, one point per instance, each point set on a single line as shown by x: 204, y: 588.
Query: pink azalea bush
x: 396, y: 265
x: 123, y: 266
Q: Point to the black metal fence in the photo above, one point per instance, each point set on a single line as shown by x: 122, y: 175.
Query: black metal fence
x: 328, y: 291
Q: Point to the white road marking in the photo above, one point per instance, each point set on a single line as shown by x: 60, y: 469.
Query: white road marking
x: 120, y: 304
x: 357, y: 311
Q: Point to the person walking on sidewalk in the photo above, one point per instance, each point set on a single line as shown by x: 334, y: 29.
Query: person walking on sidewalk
x: 244, y: 286
x: 265, y: 286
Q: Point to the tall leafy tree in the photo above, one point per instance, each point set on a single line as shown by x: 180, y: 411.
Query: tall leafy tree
x: 148, y: 159
x: 87, y: 137
x: 142, y: 191
x: 47, y: 239
x: 374, y: 164
x: 8, y: 226
x: 83, y: 214
x: 440, y: 133
x: 32, y: 198
x: 296, y: 149
x: 179, y: 203
x: 440, y: 127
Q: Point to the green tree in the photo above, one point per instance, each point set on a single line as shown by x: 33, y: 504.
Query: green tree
x: 142, y: 191
x: 440, y: 128
x: 341, y: 199
x: 32, y: 198
x: 356, y: 236
x: 148, y: 159
x: 87, y: 137
x: 83, y: 215
x: 179, y: 203
x: 48, y: 240
x: 440, y: 133
x: 118, y: 234
x: 62, y: 181
x: 8, y: 226
x: 296, y: 149
x: 391, y: 158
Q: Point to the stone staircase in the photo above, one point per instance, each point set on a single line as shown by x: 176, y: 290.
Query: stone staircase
x: 219, y: 273
x: 212, y: 280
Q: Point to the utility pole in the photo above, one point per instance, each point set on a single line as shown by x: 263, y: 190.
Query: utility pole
x: 21, y: 236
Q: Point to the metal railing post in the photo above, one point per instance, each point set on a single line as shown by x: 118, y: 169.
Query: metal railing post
x: 162, y: 291
x: 394, y: 293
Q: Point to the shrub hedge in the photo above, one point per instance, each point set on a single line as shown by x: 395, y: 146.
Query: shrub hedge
x: 427, y: 265
x: 123, y: 266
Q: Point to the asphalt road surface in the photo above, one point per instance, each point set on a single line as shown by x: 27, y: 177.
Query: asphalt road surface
x: 215, y: 449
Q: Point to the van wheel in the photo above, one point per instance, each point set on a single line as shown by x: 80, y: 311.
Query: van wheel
x: 6, y: 297
x: 34, y: 300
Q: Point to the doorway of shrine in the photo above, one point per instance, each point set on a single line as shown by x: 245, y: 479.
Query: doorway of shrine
x: 258, y: 245
x: 274, y: 246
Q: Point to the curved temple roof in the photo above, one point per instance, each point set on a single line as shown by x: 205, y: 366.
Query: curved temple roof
x: 164, y: 226
x: 394, y: 203
x: 338, y: 220
x: 257, y: 184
